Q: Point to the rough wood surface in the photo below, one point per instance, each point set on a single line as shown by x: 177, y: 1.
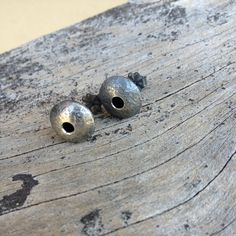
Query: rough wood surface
x: 172, y: 173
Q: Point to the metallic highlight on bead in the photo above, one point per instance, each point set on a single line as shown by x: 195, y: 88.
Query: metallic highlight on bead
x: 120, y: 97
x: 72, y: 121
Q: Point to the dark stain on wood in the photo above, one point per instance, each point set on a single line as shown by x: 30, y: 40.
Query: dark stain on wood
x: 217, y: 18
x: 18, y: 198
x: 125, y: 216
x: 186, y: 227
x: 92, y: 223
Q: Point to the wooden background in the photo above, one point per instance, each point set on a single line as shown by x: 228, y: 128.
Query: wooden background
x: 170, y: 170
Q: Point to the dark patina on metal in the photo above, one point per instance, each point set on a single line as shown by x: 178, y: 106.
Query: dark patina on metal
x: 119, y: 95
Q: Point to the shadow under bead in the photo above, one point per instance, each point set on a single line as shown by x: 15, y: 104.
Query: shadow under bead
x: 72, y: 121
x: 120, y: 97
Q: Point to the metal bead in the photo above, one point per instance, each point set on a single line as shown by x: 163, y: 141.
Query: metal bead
x: 120, y: 97
x: 72, y: 121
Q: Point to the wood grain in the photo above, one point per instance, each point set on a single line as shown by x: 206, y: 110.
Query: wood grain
x: 173, y: 173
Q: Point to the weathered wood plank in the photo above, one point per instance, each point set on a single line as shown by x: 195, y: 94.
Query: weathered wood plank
x: 172, y: 174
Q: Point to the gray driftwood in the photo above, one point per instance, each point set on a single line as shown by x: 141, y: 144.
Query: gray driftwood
x: 171, y: 170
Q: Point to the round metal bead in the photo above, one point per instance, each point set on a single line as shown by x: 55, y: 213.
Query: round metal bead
x: 120, y: 97
x: 72, y: 121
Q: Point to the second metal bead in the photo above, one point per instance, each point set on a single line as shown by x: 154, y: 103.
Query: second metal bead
x: 120, y: 97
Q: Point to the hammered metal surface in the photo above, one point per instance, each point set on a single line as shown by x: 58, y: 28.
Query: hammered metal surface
x: 72, y: 121
x: 124, y: 89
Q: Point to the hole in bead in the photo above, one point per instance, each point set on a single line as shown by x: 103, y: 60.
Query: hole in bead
x: 118, y: 102
x: 68, y: 127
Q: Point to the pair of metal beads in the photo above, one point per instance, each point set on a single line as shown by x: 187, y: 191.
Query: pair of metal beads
x: 120, y: 96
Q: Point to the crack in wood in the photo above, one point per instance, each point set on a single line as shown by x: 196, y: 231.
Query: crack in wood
x: 224, y: 228
x: 139, y: 144
x: 148, y: 104
x: 180, y: 204
x: 129, y: 177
